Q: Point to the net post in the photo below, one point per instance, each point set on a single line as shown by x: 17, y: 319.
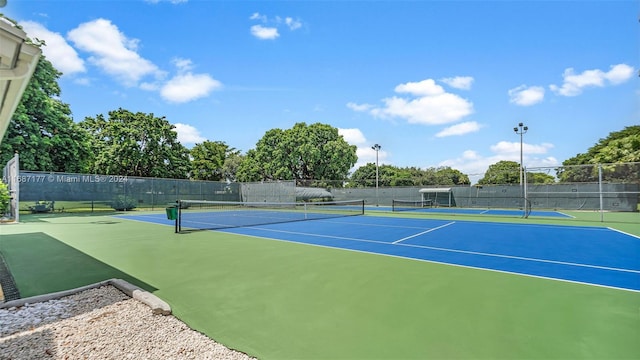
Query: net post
x: 177, y: 221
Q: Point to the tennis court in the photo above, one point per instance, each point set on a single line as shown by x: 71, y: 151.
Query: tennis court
x: 589, y: 255
x: 383, y: 285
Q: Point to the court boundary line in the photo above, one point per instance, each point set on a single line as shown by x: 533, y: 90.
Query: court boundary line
x: 133, y: 218
x: 397, y: 242
x: 443, y: 263
x: 226, y: 231
x: 623, y: 232
x: 422, y: 233
x: 445, y: 250
x: 567, y: 215
x: 526, y: 259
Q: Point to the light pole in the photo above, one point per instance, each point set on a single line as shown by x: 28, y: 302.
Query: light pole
x: 377, y: 148
x: 520, y: 130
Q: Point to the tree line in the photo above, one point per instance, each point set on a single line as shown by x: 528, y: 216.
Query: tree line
x: 42, y: 130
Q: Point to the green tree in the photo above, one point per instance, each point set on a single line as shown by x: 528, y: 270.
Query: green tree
x: 250, y: 169
x: 364, y: 176
x: 42, y: 130
x: 390, y: 175
x: 447, y: 176
x: 231, y: 166
x: 5, y: 198
x: 303, y: 153
x: 618, y: 147
x: 502, y: 172
x: 395, y: 176
x: 136, y: 144
x: 208, y: 159
x: 540, y: 178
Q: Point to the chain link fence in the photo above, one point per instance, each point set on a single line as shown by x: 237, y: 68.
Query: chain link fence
x: 604, y: 188
x: 66, y: 192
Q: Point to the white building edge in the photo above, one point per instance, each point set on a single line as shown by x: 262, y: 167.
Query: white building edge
x: 18, y: 61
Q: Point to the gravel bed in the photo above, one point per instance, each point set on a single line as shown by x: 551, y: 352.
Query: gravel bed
x: 101, y: 323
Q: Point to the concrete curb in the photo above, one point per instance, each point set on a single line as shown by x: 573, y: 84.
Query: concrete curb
x: 157, y: 305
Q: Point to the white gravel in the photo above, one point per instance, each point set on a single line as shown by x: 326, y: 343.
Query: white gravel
x: 101, y: 323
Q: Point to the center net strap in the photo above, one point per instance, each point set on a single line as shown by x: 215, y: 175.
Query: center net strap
x: 213, y: 215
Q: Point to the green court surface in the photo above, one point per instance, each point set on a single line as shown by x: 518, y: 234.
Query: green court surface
x: 282, y: 300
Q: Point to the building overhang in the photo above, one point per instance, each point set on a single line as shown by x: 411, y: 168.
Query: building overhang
x: 435, y: 190
x: 18, y: 61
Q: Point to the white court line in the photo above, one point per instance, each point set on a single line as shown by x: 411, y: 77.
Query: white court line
x: 623, y: 232
x: 524, y: 258
x: 483, y: 212
x: 567, y: 215
x: 438, y: 262
x: 445, y: 249
x: 310, y: 234
x: 424, y: 232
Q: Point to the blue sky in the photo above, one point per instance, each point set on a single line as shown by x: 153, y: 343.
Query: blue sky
x: 435, y: 83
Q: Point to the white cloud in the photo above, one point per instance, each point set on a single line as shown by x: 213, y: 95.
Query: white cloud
x: 116, y: 55
x: 293, y: 24
x: 188, y: 87
x: 185, y: 86
x: 366, y: 155
x: 359, y: 107
x: 430, y: 110
x: 431, y: 104
x: 264, y: 33
x: 574, y: 83
x: 353, y: 136
x: 509, y: 148
x: 63, y: 57
x: 526, y: 95
x: 272, y: 25
x: 112, y: 51
x: 258, y: 16
x: 183, y: 65
x: 459, y: 82
x: 426, y: 87
x: 619, y: 74
x: 364, y: 151
x: 475, y: 165
x: 460, y: 129
x: 188, y: 134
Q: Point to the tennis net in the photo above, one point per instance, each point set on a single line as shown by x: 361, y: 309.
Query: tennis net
x: 408, y: 205
x: 213, y: 215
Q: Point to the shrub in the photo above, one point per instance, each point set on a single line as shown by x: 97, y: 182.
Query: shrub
x: 123, y: 203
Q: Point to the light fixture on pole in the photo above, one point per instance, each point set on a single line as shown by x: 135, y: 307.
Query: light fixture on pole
x: 520, y: 130
x: 377, y: 148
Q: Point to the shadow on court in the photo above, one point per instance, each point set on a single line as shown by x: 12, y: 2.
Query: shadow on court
x: 41, y: 264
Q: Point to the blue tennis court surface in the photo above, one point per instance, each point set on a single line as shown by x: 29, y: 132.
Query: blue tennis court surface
x: 590, y: 255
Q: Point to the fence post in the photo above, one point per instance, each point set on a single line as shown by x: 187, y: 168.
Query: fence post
x: 600, y: 192
x: 525, y: 190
